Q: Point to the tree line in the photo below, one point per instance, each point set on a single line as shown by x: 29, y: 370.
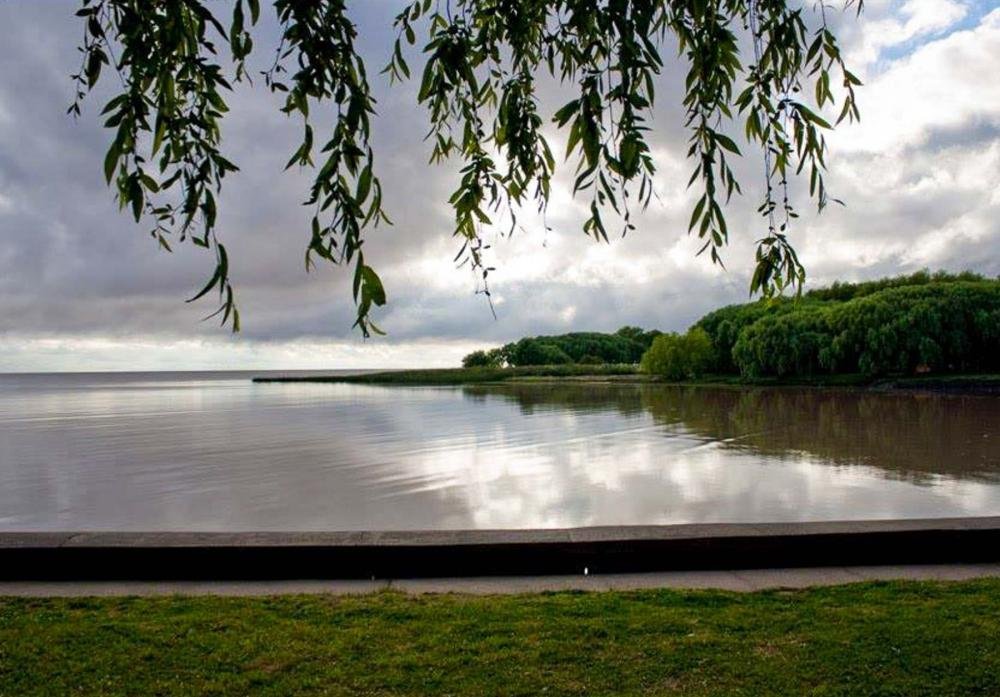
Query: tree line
x: 627, y: 345
x: 922, y: 322
x: 906, y: 324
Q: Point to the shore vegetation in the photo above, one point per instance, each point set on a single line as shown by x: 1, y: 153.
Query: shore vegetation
x: 933, y: 331
x: 918, y: 324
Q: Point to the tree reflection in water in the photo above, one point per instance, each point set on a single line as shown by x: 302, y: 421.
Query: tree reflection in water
x: 908, y: 435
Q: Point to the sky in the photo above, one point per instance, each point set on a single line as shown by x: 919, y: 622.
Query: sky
x: 82, y: 287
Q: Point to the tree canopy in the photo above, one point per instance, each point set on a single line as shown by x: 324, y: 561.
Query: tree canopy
x: 627, y: 345
x: 932, y: 322
x: 679, y: 356
x: 761, y: 70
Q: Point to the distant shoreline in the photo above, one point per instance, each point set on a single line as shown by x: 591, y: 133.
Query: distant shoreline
x: 988, y: 384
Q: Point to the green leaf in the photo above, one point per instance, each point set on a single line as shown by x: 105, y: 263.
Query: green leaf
x: 149, y: 182
x: 811, y: 116
x: 696, y: 215
x: 727, y: 143
x: 216, y: 277
x: 111, y: 161
x: 364, y: 185
x: 372, y: 285
x: 566, y: 112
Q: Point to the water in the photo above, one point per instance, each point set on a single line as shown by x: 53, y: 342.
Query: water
x: 212, y: 451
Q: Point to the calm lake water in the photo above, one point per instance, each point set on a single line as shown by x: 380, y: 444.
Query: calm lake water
x: 212, y: 451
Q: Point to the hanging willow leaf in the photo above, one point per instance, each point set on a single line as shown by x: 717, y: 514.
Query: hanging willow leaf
x: 478, y: 85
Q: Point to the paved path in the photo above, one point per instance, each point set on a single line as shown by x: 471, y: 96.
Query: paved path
x: 742, y: 580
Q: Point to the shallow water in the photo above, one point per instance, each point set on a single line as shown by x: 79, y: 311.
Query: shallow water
x: 213, y: 451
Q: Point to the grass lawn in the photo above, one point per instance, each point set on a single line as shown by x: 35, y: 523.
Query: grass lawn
x: 867, y: 639
x: 625, y: 373
x: 465, y: 376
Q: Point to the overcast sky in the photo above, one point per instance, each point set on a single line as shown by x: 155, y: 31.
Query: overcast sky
x: 83, y: 288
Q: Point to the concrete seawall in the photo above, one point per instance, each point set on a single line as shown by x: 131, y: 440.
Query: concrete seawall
x: 425, y: 554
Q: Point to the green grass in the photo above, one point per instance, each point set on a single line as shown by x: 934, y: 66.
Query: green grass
x: 868, y: 639
x: 573, y: 372
x: 630, y: 373
x: 955, y: 382
x: 465, y: 376
x: 958, y: 382
x: 835, y: 380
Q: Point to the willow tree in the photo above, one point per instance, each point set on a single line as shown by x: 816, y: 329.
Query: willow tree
x: 763, y: 71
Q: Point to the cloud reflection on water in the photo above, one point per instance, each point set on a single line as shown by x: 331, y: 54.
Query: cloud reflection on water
x: 228, y: 455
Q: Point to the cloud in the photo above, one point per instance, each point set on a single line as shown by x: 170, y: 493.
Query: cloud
x: 946, y: 86
x: 82, y: 286
x: 896, y: 26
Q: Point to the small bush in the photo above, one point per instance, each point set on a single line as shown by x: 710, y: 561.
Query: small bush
x: 679, y: 356
x: 481, y: 359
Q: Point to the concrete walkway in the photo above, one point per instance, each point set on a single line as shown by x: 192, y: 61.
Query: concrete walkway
x: 742, y: 580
